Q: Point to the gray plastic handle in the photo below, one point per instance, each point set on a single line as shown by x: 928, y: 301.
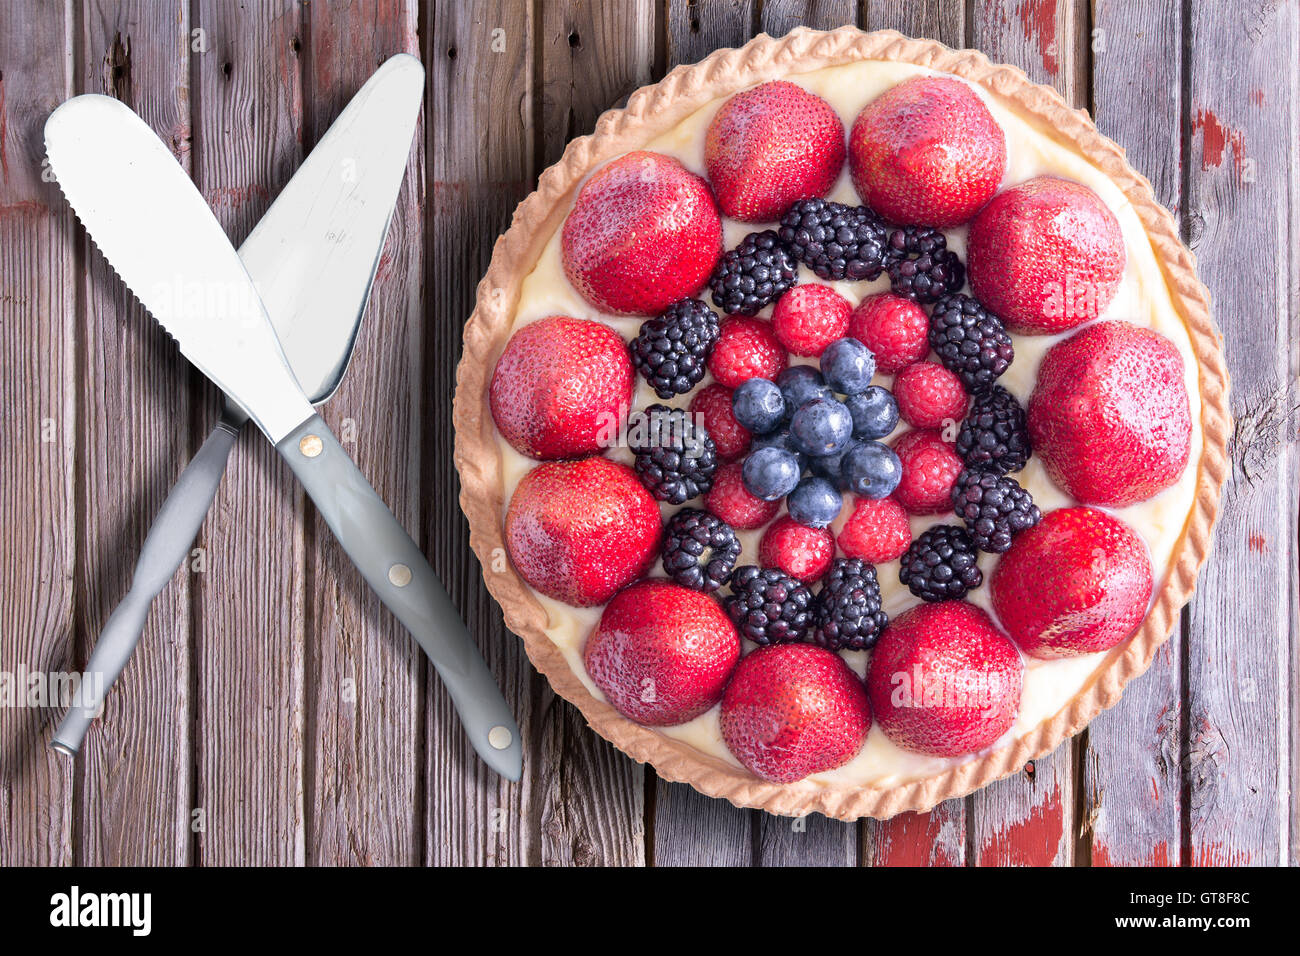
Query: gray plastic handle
x: 395, y: 568
x: 165, y: 548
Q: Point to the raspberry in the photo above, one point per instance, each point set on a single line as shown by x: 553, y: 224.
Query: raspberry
x: 848, y: 607
x: 941, y: 564
x: 671, y: 349
x: 894, y: 328
x: 930, y: 467
x: 732, y: 502
x: 746, y: 348
x: 768, y: 606
x: 929, y: 396
x: 876, y: 531
x: 810, y: 317
x: 801, y: 552
x: 699, y: 550
x: 712, y: 406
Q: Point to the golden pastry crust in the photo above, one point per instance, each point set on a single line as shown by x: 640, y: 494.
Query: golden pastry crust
x: 655, y: 109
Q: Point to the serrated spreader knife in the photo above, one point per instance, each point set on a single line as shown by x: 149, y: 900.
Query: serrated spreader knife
x: 157, y: 232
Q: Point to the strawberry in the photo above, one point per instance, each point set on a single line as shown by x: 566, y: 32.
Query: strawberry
x: 877, y: 530
x: 798, y: 550
x: 770, y: 146
x: 792, y: 710
x: 1077, y: 582
x: 930, y: 468
x: 927, y: 152
x: 643, y: 233
x: 810, y: 317
x: 929, y: 396
x: 712, y: 406
x: 894, y: 328
x: 1045, y: 256
x: 578, y: 531
x: 944, y: 680
x: 662, y: 653
x: 1109, y: 415
x: 746, y: 348
x: 731, y: 501
x: 561, y: 387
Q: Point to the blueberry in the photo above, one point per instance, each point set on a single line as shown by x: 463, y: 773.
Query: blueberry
x: 758, y: 405
x: 814, y: 502
x: 770, y: 473
x: 848, y: 365
x: 875, y: 413
x: 831, y: 467
x: 800, y: 384
x: 782, y: 439
x: 822, y: 427
x: 872, y: 470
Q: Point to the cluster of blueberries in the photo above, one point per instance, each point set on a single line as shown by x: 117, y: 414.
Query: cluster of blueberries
x: 800, y: 424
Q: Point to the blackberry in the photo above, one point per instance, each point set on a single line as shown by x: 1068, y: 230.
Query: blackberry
x: 672, y: 349
x: 970, y: 341
x: 675, y: 458
x: 699, y: 550
x: 758, y: 271
x: 940, y: 564
x: 848, y: 610
x: 994, y: 436
x: 834, y: 240
x: 768, y: 606
x: 921, y: 266
x: 995, y: 509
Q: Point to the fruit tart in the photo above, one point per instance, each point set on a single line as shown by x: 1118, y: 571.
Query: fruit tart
x: 842, y: 424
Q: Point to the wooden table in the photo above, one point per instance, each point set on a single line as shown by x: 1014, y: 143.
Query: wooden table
x: 275, y: 713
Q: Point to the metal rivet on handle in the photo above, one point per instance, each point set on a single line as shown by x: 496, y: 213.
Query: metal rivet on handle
x: 311, y: 445
x: 500, y: 737
x: 399, y: 575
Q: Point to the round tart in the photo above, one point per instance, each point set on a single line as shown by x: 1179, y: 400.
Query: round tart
x: 998, y: 256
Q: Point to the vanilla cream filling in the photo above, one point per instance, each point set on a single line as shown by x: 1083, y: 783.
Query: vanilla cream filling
x: 1143, y: 298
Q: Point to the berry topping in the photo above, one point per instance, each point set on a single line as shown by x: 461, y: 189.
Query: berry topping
x: 810, y: 317
x: 771, y: 473
x: 848, y: 614
x: 800, y: 551
x: 746, y: 349
x: 794, y: 710
x: 800, y: 384
x: 578, y: 531
x: 758, y: 405
x: 929, y: 396
x: 970, y: 341
x: 994, y: 437
x: 731, y: 501
x: 930, y: 467
x: 875, y: 412
x: 815, y: 502
x: 835, y: 241
x: 847, y: 365
x: 769, y: 606
x: 675, y: 457
x: 782, y: 439
x: 876, y: 531
x: 921, y: 266
x: 995, y: 509
x: 756, y: 272
x: 711, y: 406
x: 821, y: 427
x: 941, y: 564
x: 700, y: 550
x: 672, y: 349
x: 871, y: 470
x: 894, y: 328
x: 643, y: 233
x: 559, y: 386
x: 662, y: 654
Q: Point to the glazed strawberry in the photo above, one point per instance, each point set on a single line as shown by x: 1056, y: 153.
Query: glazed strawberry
x: 747, y: 348
x: 561, y: 387
x: 662, y: 653
x: 944, y: 680
x: 929, y: 396
x: 1045, y: 256
x: 894, y: 328
x: 1109, y: 415
x: 712, y: 406
x: 927, y: 152
x: 798, y: 550
x: 810, y: 317
x: 1076, y: 583
x: 792, y: 710
x: 877, y: 530
x: 643, y: 233
x: 930, y: 467
x: 578, y: 531
x: 770, y: 146
x: 731, y: 501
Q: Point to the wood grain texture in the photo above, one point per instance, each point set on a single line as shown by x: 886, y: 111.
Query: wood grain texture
x: 942, y: 20
x: 779, y: 17
x: 251, y: 612
x: 38, y: 459
x: 695, y: 28
x: 690, y: 829
x: 134, y: 424
x: 1242, y: 638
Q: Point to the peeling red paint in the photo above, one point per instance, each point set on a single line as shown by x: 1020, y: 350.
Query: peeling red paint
x: 1032, y: 841
x: 1038, y: 20
x: 1159, y: 856
x: 1216, y: 138
x: 1216, y: 854
x: 1257, y: 541
x: 1257, y: 97
x: 913, y: 839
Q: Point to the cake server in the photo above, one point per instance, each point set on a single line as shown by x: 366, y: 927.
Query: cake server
x: 313, y: 259
x: 157, y: 232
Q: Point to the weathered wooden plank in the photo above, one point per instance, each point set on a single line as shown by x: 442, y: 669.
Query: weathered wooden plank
x: 812, y: 840
x: 134, y: 427
x: 690, y: 829
x: 366, y: 707
x: 942, y: 20
x: 1045, y: 38
x: 1241, y: 642
x: 779, y: 17
x: 251, y: 610
x: 1131, y: 779
x: 38, y: 462
x: 695, y: 28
